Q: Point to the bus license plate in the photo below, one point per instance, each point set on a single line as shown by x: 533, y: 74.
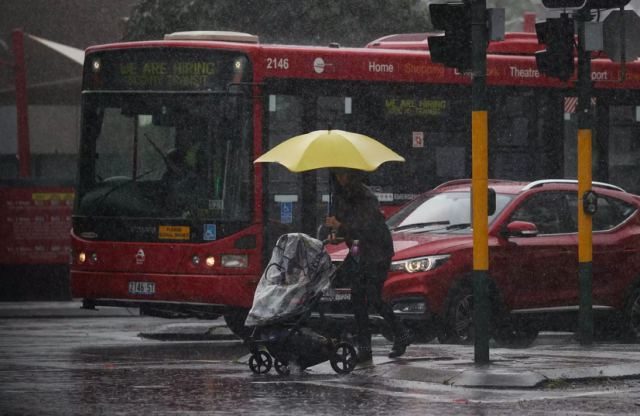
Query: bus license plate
x: 142, y: 288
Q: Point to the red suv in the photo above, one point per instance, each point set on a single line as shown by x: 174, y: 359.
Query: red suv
x: 533, y: 260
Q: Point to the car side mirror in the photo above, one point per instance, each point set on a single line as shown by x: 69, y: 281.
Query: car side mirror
x: 520, y: 229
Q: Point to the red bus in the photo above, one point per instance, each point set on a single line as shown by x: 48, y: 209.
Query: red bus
x: 150, y: 233
x: 34, y: 250
x: 37, y: 173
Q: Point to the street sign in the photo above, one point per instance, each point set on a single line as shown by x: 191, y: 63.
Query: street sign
x: 621, y: 31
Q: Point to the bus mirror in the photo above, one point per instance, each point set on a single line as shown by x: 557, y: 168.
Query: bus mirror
x: 491, y: 205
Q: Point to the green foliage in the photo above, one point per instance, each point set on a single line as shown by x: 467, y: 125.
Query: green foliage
x: 348, y: 22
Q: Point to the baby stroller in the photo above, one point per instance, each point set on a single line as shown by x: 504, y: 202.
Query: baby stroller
x: 290, y: 288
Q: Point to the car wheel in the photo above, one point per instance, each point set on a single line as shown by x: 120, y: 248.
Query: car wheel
x: 458, y: 320
x: 235, y: 322
x: 632, y: 313
x: 515, y: 334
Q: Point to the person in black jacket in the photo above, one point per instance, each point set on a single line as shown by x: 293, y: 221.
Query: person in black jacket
x: 356, y: 216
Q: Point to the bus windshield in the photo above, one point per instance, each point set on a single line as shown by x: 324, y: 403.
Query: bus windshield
x: 165, y: 155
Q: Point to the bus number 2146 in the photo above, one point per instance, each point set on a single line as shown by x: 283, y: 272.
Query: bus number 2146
x: 277, y: 63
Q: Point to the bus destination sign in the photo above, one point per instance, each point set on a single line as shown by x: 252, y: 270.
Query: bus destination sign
x: 414, y: 107
x: 172, y: 75
x: 162, y: 70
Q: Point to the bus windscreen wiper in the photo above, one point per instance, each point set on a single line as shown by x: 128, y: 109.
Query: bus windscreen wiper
x: 419, y: 225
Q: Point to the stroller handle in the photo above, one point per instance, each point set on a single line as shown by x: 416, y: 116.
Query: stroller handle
x: 337, y: 240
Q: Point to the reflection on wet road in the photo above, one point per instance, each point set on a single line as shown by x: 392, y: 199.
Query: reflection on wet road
x: 101, y: 366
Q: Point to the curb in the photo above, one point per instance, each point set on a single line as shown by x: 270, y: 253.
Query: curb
x: 191, y: 332
x: 463, y: 373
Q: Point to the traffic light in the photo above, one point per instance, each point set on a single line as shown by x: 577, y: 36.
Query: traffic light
x: 557, y: 59
x: 453, y: 49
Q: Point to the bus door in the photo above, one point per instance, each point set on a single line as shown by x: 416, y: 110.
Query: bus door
x: 298, y: 202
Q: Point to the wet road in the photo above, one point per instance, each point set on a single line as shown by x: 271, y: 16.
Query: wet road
x: 87, y: 366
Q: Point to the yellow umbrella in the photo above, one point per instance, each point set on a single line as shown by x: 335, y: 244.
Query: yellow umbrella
x: 330, y: 149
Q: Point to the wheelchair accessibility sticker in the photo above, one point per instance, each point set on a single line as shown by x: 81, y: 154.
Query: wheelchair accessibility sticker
x: 286, y: 212
x: 209, y: 233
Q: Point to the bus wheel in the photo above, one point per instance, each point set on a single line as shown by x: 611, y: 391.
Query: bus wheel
x: 235, y: 322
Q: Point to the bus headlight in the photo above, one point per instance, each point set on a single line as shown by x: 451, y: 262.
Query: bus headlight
x: 210, y: 261
x: 419, y: 264
x: 82, y: 257
x: 234, y: 260
x: 96, y: 65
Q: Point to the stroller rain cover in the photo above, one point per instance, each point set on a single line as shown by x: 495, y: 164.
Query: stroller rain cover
x: 299, y: 269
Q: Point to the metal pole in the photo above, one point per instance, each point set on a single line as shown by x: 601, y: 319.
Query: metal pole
x: 585, y: 323
x: 22, y: 109
x: 480, y: 182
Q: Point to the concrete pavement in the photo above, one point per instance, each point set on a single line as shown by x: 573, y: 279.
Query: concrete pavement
x: 554, y: 357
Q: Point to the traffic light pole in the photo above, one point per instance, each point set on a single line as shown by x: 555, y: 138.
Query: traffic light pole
x: 479, y: 181
x: 585, y: 248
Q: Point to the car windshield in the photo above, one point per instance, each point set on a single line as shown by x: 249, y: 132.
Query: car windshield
x: 164, y: 156
x: 441, y: 212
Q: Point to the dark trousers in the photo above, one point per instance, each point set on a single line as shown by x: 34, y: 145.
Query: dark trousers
x: 366, y: 291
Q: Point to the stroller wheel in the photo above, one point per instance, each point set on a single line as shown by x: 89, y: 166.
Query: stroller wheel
x: 344, y: 358
x: 282, y: 368
x: 260, y: 362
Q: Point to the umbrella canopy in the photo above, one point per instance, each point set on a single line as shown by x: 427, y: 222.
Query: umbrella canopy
x: 330, y: 149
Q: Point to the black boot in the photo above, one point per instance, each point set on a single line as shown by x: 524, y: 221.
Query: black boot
x: 400, y: 343
x: 364, y: 355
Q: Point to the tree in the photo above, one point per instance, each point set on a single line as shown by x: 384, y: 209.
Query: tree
x: 348, y: 22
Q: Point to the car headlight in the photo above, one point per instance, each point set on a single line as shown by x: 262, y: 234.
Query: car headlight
x: 410, y: 306
x: 419, y: 264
